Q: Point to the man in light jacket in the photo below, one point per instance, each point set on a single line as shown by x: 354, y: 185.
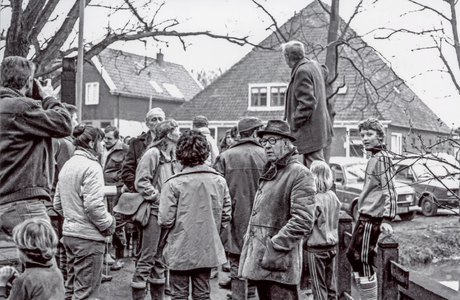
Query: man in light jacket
x: 283, y: 213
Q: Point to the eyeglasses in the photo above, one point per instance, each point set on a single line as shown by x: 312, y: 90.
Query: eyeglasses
x: 156, y: 119
x: 271, y: 140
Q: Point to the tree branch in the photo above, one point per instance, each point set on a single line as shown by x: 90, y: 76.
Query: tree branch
x: 277, y: 29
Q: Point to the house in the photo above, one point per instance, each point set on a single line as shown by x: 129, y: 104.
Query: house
x: 120, y: 88
x: 366, y: 86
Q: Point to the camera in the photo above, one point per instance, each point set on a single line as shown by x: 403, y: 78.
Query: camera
x: 36, y: 91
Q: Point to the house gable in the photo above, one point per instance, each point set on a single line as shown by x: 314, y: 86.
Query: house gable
x: 373, y: 89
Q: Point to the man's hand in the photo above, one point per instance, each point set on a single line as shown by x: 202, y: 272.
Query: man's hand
x: 386, y: 228
x: 6, y: 273
x: 45, y: 91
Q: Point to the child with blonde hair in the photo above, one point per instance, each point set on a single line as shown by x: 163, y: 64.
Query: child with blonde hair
x: 36, y: 242
x: 321, y: 246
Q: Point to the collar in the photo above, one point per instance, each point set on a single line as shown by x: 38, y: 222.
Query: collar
x: 36, y: 264
x: 86, y: 153
x: 118, y: 146
x: 204, y: 130
x: 378, y: 148
x: 271, y: 168
x: 246, y: 141
x: 297, y: 65
x: 6, y: 92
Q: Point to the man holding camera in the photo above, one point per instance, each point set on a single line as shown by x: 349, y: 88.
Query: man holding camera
x: 27, y: 127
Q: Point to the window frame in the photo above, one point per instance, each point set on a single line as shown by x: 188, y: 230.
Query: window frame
x: 268, y: 87
x: 89, y: 86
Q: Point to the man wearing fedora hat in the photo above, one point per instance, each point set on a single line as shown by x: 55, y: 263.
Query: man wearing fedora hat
x: 241, y: 165
x: 283, y: 213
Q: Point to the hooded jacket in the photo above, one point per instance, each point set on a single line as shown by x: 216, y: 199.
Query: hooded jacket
x: 27, y: 127
x: 283, y: 213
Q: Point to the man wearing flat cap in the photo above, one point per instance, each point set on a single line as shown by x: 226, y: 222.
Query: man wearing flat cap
x: 283, y: 213
x: 241, y: 165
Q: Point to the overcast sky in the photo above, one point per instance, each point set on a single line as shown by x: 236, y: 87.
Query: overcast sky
x: 242, y: 17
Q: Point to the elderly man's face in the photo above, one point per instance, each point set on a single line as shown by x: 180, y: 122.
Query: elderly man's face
x: 154, y: 120
x: 275, y: 146
x: 289, y: 62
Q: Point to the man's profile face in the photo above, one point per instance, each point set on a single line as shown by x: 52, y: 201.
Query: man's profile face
x: 109, y: 140
x: 74, y: 119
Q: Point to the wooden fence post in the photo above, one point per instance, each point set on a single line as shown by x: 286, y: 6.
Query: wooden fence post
x: 343, y: 267
x: 388, y: 288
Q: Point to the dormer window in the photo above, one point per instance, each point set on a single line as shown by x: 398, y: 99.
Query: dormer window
x: 267, y: 96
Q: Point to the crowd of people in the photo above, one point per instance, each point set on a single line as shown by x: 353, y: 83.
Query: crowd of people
x: 264, y: 201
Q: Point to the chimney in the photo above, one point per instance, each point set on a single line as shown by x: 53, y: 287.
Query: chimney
x: 160, y: 58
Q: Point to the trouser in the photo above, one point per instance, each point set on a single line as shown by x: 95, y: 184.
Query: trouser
x: 322, y: 271
x: 149, y: 267
x: 179, y: 281
x: 360, y: 252
x: 308, y: 158
x: 234, y: 260
x: 270, y: 290
x: 119, y: 237
x: 84, y: 267
x: 14, y: 213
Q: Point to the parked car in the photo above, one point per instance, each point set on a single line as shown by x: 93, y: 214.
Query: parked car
x: 435, y: 182
x: 349, y: 173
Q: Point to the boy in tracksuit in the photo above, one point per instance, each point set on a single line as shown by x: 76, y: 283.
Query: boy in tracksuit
x: 321, y: 246
x: 376, y: 207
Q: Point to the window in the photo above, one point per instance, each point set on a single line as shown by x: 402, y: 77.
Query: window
x: 268, y: 96
x: 396, y: 143
x: 259, y: 96
x: 277, y: 95
x: 92, y: 93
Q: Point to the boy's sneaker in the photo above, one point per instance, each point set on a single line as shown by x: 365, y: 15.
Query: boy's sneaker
x: 106, y: 278
x: 117, y: 265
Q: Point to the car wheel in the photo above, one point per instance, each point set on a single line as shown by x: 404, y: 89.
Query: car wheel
x: 407, y: 216
x: 429, y: 208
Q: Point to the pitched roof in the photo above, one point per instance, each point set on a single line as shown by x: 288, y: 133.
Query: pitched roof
x: 373, y: 89
x: 143, y: 76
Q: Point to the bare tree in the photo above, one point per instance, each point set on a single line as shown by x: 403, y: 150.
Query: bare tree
x: 444, y: 36
x: 25, y: 36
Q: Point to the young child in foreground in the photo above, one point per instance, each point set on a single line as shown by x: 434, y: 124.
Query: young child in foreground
x: 376, y: 208
x: 41, y: 280
x: 322, y: 244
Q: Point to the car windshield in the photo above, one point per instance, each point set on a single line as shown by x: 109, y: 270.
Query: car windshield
x: 355, y: 173
x: 431, y: 170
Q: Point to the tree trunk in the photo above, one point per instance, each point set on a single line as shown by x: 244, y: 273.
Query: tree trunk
x: 331, y: 54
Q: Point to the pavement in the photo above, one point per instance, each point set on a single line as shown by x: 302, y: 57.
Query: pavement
x: 119, y: 288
